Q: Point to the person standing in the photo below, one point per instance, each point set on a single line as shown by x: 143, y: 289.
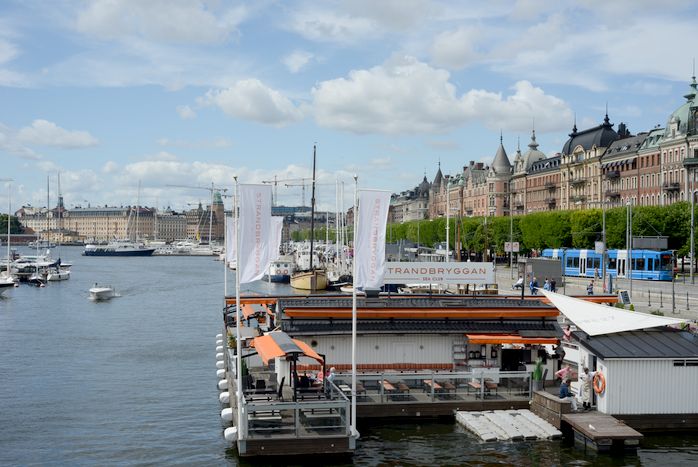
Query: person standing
x: 546, y: 284
x: 590, y: 288
x: 585, y: 380
x: 553, y: 285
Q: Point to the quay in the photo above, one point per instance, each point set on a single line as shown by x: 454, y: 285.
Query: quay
x: 601, y: 432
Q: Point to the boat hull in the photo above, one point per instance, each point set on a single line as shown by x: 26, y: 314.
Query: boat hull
x: 102, y: 293
x: 54, y: 276
x: 104, y: 252
x: 306, y: 280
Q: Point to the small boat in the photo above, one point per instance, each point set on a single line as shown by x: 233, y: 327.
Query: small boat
x: 103, y: 292
x: 36, y: 279
x: 281, y: 269
x: 6, y: 283
x: 350, y: 289
x: 309, y: 280
x: 118, y: 248
x: 58, y: 274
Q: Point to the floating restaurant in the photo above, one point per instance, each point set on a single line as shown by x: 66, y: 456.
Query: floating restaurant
x: 417, y: 356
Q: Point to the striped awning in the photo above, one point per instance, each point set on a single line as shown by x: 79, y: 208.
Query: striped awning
x: 279, y: 344
x: 508, y: 339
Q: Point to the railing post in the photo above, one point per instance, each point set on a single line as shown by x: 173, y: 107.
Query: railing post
x: 380, y: 384
x: 687, y: 300
x: 649, y: 298
x: 482, y: 386
x: 661, y: 303
x: 433, y: 383
x: 297, y: 421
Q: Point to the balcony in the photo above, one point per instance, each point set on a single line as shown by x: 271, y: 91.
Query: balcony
x: 578, y: 198
x: 612, y: 174
x: 550, y: 201
x: 550, y: 186
x: 673, y: 186
x: 578, y: 181
x: 612, y: 194
x: 691, y: 162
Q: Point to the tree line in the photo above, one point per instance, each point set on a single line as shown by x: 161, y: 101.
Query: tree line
x: 550, y: 229
x: 15, y: 226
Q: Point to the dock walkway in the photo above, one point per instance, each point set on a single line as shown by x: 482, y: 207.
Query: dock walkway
x: 601, y: 432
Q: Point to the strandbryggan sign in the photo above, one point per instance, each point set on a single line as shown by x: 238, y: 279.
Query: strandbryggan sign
x: 439, y: 273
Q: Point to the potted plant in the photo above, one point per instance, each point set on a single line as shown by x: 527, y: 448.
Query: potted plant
x: 537, y: 375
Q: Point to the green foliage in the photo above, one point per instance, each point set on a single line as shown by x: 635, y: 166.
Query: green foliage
x: 538, y: 370
x: 632, y: 307
x: 657, y: 312
x: 553, y: 229
x: 15, y: 226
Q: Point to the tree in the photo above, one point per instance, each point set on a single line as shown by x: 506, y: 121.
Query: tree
x: 15, y: 226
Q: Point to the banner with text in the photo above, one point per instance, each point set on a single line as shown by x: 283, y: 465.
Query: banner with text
x: 369, y: 248
x: 439, y: 273
x: 255, y: 232
x: 230, y: 240
x: 277, y: 226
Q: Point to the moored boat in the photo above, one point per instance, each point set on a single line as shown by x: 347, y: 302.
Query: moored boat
x: 309, y: 280
x: 118, y: 248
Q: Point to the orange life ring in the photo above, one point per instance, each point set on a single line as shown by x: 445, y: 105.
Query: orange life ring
x: 599, y: 383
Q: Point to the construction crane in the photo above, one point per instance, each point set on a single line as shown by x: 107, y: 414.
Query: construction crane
x: 213, y: 189
x: 276, y: 182
x: 303, y: 185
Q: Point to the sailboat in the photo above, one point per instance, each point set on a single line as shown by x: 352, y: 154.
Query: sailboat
x: 6, y: 280
x: 312, y: 278
x: 58, y: 273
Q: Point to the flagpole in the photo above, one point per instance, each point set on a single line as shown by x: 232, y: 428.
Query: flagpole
x: 237, y: 309
x: 353, y: 310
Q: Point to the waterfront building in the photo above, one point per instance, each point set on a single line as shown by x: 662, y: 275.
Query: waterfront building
x: 410, y: 205
x: 620, y: 167
x: 203, y: 223
x: 171, y: 226
x: 649, y: 169
x: 101, y: 224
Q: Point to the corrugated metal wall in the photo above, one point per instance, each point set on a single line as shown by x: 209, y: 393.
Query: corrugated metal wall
x: 407, y: 348
x: 648, y: 387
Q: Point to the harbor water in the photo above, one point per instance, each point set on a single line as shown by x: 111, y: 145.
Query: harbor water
x: 133, y: 380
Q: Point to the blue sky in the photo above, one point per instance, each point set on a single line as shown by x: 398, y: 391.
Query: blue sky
x: 185, y: 92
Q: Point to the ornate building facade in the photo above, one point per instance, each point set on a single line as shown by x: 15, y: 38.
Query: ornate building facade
x: 595, y: 166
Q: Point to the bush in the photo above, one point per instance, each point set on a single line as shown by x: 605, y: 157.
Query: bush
x: 657, y: 312
x: 632, y: 307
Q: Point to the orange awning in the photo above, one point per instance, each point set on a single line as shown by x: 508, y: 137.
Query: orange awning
x: 508, y: 339
x: 278, y: 344
x: 248, y: 311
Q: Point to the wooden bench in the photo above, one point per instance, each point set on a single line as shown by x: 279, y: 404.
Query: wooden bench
x: 429, y: 385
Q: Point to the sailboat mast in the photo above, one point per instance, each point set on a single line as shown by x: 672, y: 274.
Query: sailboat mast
x: 9, y: 210
x: 210, y: 220
x: 138, y: 208
x: 312, y: 213
x: 48, y: 209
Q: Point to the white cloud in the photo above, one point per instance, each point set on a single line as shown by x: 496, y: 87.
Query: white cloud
x: 218, y: 143
x: 8, y: 51
x: 162, y: 156
x: 185, y: 112
x: 110, y: 167
x: 167, y: 21
x: 297, y: 60
x: 331, y: 26
x: 252, y: 100
x: 10, y: 144
x: 458, y: 48
x: 45, y: 133
x: 381, y: 162
x: 407, y: 96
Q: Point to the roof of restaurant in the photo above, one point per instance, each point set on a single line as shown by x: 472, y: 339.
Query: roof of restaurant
x: 656, y: 343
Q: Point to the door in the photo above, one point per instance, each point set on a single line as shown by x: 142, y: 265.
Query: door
x: 622, y: 262
x: 582, y: 262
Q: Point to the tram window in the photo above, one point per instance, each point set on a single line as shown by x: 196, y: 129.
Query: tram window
x: 569, y: 262
x: 666, y: 262
x: 650, y: 264
x: 575, y: 262
x: 639, y: 264
x: 612, y: 263
x: 590, y: 263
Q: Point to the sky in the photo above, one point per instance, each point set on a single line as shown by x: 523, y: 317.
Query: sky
x: 116, y: 93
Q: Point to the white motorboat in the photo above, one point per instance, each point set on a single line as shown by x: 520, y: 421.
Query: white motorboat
x: 6, y: 283
x: 102, y: 292
x: 118, y: 248
x: 282, y: 269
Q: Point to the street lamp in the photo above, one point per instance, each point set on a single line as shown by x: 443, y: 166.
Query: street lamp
x: 448, y: 217
x: 693, y: 202
x: 629, y: 241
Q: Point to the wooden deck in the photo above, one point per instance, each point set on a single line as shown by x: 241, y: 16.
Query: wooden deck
x: 601, y: 432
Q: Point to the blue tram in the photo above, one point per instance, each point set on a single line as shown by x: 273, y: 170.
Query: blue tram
x: 647, y: 264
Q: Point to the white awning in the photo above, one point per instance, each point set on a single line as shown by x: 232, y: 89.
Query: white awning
x: 596, y: 319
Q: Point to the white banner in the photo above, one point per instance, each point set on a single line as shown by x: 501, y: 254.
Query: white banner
x: 439, y: 273
x: 369, y: 247
x: 230, y: 240
x: 277, y: 226
x: 255, y: 232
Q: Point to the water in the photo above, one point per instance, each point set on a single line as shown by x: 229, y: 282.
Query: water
x: 132, y: 380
